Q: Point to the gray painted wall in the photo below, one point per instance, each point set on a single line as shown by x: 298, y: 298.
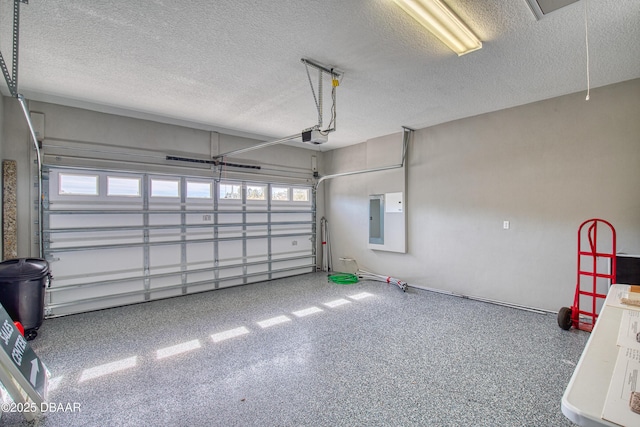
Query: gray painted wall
x: 16, y: 146
x: 1, y: 152
x: 1, y: 127
x: 545, y: 167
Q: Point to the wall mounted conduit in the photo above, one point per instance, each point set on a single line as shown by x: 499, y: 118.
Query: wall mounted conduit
x: 406, y: 136
x: 27, y: 115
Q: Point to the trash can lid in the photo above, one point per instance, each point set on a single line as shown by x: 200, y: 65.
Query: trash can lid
x: 23, y: 268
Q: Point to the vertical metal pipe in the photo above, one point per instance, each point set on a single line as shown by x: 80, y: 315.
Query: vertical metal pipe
x: 27, y: 115
x: 320, y: 99
x: 183, y: 234
x: 269, y: 243
x: 216, y: 246
x: 145, y: 233
x: 46, y: 236
x: 314, y: 228
x: 244, y: 232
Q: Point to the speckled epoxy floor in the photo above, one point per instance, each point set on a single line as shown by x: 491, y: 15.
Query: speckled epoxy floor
x: 366, y: 355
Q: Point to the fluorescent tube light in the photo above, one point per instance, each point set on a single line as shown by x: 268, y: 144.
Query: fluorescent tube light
x: 436, y: 17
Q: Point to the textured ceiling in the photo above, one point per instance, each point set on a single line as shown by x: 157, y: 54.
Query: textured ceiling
x: 234, y: 65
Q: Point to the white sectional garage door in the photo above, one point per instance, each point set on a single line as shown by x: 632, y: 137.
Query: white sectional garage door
x: 116, y: 238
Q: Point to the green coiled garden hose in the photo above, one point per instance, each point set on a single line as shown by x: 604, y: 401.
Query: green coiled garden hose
x: 343, y: 278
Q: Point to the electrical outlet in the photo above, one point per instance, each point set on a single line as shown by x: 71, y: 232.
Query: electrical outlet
x: 506, y: 225
x: 294, y: 243
x: 206, y: 217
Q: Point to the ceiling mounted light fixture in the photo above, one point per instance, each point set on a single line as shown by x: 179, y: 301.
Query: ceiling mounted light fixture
x: 436, y: 17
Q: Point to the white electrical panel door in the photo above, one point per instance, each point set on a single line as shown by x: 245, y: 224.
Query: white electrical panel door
x: 389, y: 224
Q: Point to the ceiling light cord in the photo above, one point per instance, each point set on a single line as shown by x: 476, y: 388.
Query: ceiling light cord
x: 586, y: 38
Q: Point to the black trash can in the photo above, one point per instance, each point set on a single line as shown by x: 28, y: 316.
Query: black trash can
x: 22, y: 288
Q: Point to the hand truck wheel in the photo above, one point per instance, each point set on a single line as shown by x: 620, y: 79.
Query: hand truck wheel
x: 564, y: 318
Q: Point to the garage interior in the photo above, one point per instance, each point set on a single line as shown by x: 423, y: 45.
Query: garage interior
x: 199, y: 170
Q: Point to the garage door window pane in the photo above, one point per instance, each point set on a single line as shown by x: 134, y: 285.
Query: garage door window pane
x: 300, y: 194
x: 123, y: 186
x: 256, y: 192
x: 81, y: 185
x: 280, y: 193
x: 230, y: 191
x: 164, y: 188
x: 199, y: 190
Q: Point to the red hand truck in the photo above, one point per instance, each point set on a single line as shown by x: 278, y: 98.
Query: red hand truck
x: 590, y: 275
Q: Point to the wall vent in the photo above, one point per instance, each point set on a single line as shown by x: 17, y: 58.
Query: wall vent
x: 541, y: 8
